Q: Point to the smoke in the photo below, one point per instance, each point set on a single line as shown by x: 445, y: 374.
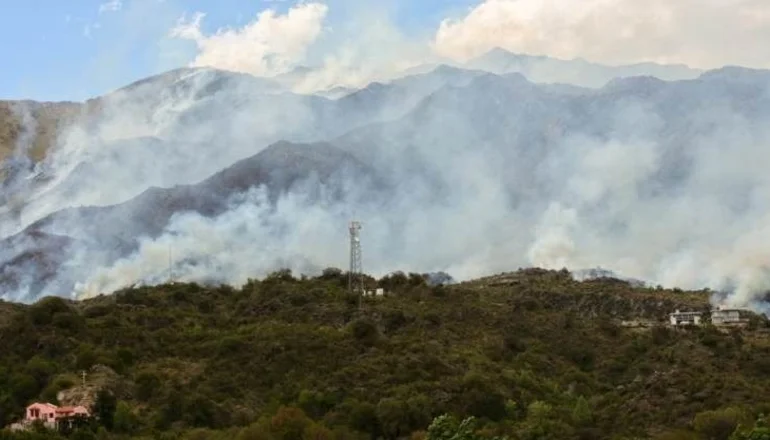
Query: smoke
x: 14, y: 188
x: 662, y: 182
x: 268, y: 45
x: 614, y: 31
x: 306, y: 231
x: 692, y: 222
x: 363, y: 45
x: 231, y: 248
x: 160, y: 134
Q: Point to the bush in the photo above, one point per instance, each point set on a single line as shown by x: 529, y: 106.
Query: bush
x: 719, y: 424
x: 364, y: 331
x: 289, y: 423
x: 146, y: 384
x: 43, y: 311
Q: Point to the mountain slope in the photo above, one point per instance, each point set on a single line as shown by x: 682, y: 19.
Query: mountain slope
x: 97, y: 236
x: 392, y: 99
x: 534, y: 354
x: 29, y: 128
x: 543, y: 69
x: 484, y: 172
x: 519, y: 123
x: 185, y: 85
x: 578, y: 179
x: 176, y: 127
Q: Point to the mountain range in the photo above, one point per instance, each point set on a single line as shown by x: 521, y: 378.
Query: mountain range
x: 543, y: 69
x: 652, y: 171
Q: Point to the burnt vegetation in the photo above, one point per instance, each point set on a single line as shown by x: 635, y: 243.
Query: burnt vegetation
x: 531, y: 355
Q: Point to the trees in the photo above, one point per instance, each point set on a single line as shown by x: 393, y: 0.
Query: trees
x: 365, y: 331
x: 289, y: 424
x: 104, y: 408
x: 147, y: 384
x: 505, y: 355
x: 447, y: 427
x: 362, y: 416
x: 760, y: 431
x: 124, y: 420
x: 393, y: 415
x: 719, y: 424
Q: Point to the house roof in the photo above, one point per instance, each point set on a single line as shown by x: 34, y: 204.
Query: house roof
x: 678, y: 313
x: 71, y: 409
x: 44, y: 405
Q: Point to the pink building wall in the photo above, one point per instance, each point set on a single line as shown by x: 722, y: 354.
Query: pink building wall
x: 41, y: 411
x: 49, y: 414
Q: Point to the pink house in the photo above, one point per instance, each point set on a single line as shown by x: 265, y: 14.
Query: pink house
x: 70, y: 411
x: 51, y: 414
x: 44, y: 412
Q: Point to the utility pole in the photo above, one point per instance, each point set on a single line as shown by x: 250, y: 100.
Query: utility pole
x: 356, y: 274
x: 170, y: 273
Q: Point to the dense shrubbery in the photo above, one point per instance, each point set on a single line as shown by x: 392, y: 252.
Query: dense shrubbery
x: 535, y: 357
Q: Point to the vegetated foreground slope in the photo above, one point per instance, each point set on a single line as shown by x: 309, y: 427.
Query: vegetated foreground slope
x: 534, y: 354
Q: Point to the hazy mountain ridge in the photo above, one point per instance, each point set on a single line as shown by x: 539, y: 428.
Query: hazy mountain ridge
x: 104, y: 234
x: 550, y: 175
x: 174, y: 82
x: 225, y: 116
x: 543, y: 69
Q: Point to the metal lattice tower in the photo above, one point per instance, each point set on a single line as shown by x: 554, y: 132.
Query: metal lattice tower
x: 356, y: 274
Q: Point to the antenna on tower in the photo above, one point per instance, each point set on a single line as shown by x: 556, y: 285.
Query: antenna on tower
x: 356, y: 274
x: 170, y: 272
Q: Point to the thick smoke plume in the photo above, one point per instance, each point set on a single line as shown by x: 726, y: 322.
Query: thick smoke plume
x: 614, y: 31
x: 270, y: 44
x: 467, y: 172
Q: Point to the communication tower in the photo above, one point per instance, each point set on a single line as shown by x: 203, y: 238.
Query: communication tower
x: 170, y: 266
x: 356, y: 274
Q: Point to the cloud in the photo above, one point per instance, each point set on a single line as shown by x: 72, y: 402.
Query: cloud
x: 111, y: 6
x: 89, y: 28
x: 347, y: 43
x: 700, y: 33
x: 269, y: 44
x: 365, y: 44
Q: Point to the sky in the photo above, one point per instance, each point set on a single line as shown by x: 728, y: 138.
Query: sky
x: 73, y: 50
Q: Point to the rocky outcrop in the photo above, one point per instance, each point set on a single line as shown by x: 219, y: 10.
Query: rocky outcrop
x: 99, y: 377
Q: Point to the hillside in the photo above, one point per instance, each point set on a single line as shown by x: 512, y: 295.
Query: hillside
x: 46, y: 119
x: 455, y: 170
x: 38, y: 259
x: 579, y: 72
x: 200, y: 94
x: 533, y: 354
x: 447, y: 147
x: 35, y: 124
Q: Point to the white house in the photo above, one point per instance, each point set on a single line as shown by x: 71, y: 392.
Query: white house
x: 684, y: 318
x: 724, y: 316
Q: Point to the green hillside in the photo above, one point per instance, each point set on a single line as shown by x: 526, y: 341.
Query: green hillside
x: 532, y: 355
